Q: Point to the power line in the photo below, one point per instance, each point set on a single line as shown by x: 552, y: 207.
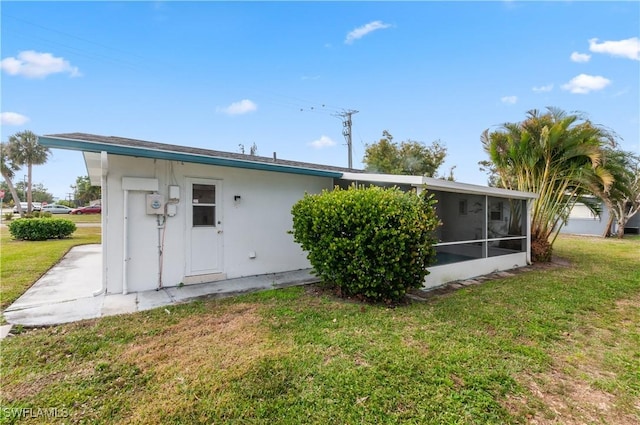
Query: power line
x: 87, y: 53
x: 77, y: 51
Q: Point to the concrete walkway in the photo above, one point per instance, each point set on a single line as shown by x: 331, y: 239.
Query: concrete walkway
x: 65, y: 293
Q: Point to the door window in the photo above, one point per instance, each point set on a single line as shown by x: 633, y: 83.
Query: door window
x: 204, y: 205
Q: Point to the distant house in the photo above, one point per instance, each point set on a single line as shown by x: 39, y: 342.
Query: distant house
x: 174, y: 215
x: 583, y: 221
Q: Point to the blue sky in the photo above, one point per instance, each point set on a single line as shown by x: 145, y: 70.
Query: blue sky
x: 220, y: 74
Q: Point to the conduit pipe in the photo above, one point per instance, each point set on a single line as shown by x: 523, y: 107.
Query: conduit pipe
x: 161, y: 219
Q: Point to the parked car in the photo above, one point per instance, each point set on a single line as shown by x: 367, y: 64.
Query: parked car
x: 92, y: 209
x: 56, y: 209
x: 35, y: 206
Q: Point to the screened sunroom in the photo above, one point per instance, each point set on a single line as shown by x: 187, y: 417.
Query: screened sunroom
x: 483, y: 229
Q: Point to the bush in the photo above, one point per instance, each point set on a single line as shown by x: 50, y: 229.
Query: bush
x: 8, y: 216
x: 39, y: 229
x: 371, y: 242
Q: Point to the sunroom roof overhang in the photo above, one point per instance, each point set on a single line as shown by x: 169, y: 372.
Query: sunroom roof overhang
x: 437, y: 184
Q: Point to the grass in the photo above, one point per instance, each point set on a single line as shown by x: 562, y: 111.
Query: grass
x: 553, y: 345
x: 23, y: 262
x: 82, y: 218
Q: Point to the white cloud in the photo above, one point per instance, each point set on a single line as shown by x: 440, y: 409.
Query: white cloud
x: 543, y: 89
x: 509, y: 100
x: 12, y: 118
x: 360, y: 32
x: 322, y: 142
x: 32, y: 64
x: 583, y: 84
x: 629, y: 48
x: 580, y: 57
x: 238, y: 108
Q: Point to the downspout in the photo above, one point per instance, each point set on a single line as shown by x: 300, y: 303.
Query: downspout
x: 125, y: 239
x: 104, y: 165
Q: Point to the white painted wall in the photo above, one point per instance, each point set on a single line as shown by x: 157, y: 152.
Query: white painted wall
x: 439, y: 275
x: 258, y: 222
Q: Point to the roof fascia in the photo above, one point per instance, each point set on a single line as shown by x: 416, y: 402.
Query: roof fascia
x: 92, y: 146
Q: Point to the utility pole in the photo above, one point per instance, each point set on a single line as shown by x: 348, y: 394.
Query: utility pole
x: 346, y: 131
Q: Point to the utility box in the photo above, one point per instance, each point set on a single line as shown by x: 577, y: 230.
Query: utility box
x: 155, y: 204
x: 174, y: 193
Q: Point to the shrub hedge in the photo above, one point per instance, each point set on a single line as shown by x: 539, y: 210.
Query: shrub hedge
x: 371, y: 242
x: 39, y: 229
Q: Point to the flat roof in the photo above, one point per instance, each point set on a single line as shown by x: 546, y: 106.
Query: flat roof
x: 437, y: 184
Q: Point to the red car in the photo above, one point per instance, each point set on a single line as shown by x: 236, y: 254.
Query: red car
x: 94, y: 209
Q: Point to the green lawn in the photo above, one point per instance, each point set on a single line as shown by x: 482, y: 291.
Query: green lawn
x: 82, y: 218
x: 23, y: 262
x: 550, y: 346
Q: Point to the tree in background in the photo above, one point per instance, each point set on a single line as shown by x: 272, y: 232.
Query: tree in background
x: 622, y: 198
x: 84, y: 192
x: 38, y: 190
x: 8, y: 168
x: 556, y: 155
x: 409, y: 157
x: 24, y: 149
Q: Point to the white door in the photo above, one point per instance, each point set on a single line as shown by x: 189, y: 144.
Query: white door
x: 204, y: 226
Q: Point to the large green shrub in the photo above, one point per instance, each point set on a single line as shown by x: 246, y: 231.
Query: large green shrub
x: 371, y: 242
x: 40, y: 229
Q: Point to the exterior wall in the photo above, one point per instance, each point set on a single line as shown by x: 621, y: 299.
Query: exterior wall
x: 256, y: 223
x: 439, y: 275
x: 582, y: 222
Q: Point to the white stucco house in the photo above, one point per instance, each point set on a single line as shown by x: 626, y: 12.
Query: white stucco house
x: 583, y: 221
x: 176, y: 215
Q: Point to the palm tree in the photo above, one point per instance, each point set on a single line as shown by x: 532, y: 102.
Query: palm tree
x: 622, y: 198
x: 25, y: 150
x: 554, y: 154
x: 84, y: 191
x: 8, y: 169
